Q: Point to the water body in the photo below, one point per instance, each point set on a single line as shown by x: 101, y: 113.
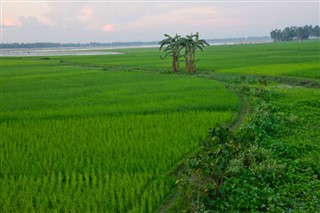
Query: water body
x: 61, y: 51
x: 14, y: 52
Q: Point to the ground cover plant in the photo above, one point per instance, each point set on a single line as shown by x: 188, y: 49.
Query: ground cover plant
x: 298, y: 148
x: 83, y: 139
x: 269, y: 165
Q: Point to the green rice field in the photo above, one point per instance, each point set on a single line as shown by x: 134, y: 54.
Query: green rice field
x: 77, y: 139
x: 294, y: 59
x: 105, y: 133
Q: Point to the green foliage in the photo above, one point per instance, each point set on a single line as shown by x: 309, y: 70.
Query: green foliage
x: 298, y: 148
x: 269, y: 165
x: 171, y: 48
x: 190, y: 44
x: 235, y: 175
x: 293, y: 32
x: 210, y: 164
x: 266, y: 119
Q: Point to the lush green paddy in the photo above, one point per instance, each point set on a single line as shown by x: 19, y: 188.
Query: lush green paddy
x: 103, y: 133
x: 82, y: 139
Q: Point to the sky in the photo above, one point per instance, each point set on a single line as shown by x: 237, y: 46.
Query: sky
x: 73, y: 21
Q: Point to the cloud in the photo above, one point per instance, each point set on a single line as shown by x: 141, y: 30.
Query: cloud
x: 107, y: 21
x: 181, y: 20
x: 87, y: 12
x: 108, y: 28
x: 30, y: 22
x: 85, y: 15
x: 10, y: 22
x: 183, y: 16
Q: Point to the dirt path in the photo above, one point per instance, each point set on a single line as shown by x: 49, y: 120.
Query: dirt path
x: 245, y: 110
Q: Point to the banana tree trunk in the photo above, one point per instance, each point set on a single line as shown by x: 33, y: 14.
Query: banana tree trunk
x: 190, y: 61
x: 193, y: 61
x: 175, y: 62
x: 187, y: 58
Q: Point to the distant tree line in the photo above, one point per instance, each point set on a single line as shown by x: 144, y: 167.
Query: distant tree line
x: 123, y: 44
x: 240, y: 40
x: 295, y: 33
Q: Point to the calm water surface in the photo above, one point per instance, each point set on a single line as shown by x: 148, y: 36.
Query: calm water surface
x: 56, y: 51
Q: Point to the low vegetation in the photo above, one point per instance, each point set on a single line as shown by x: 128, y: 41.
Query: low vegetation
x: 266, y: 165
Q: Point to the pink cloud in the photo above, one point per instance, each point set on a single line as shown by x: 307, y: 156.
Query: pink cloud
x: 10, y: 22
x: 108, y: 28
x: 87, y: 11
x: 86, y: 14
x: 86, y: 18
x: 196, y: 16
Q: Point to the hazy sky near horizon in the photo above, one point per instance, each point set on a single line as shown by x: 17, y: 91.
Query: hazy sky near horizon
x: 109, y: 21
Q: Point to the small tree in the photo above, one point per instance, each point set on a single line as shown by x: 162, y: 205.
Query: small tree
x: 276, y: 35
x: 295, y: 33
x: 190, y: 44
x: 303, y: 33
x: 170, y: 45
x: 174, y: 45
x: 316, y: 31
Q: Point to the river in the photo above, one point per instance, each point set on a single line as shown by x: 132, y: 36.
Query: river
x: 58, y: 51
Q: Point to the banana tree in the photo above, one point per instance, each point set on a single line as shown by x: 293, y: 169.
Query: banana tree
x: 171, y: 47
x: 190, y: 44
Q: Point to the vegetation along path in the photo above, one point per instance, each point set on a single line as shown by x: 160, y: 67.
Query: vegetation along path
x: 244, y: 111
x: 276, y: 131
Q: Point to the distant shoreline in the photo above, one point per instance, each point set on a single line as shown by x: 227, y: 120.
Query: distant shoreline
x: 113, y: 45
x: 55, y: 51
x: 101, y: 49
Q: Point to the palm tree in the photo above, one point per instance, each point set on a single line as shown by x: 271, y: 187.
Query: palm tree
x: 172, y: 49
x: 190, y: 44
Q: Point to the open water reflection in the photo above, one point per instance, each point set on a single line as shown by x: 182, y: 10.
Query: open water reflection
x: 56, y: 51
